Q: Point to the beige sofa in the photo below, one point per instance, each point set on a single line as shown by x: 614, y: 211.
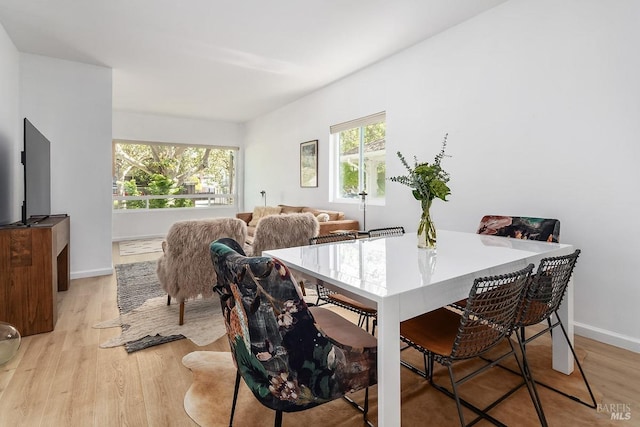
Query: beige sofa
x: 329, y: 220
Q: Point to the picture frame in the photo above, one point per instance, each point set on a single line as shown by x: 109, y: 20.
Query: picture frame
x: 309, y: 164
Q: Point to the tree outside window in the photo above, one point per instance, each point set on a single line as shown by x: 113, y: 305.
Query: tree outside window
x: 360, y: 148
x: 142, y: 171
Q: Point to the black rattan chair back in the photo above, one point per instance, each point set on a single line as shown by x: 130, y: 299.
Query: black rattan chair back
x: 327, y: 296
x: 386, y: 232
x: 329, y: 238
x: 547, y: 288
x: 493, y: 301
x: 323, y: 292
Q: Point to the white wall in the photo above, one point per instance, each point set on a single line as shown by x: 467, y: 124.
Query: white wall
x: 157, y: 128
x: 70, y: 103
x: 541, y: 102
x: 10, y: 132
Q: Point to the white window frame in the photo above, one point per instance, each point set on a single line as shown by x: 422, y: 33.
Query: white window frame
x: 210, y: 200
x: 335, y: 158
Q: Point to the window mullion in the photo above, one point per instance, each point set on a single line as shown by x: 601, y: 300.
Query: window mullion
x: 361, y: 181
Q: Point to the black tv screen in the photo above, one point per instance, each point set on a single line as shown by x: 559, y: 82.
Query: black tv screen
x: 36, y: 159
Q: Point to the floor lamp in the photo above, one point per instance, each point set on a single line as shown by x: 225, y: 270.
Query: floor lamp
x: 264, y: 197
x: 363, y: 208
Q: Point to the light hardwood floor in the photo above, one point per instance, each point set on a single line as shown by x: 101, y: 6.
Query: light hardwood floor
x: 63, y: 378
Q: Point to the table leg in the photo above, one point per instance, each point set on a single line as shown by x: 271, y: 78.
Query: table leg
x: 389, y: 362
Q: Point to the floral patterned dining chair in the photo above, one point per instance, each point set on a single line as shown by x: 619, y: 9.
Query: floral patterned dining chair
x: 291, y: 357
x: 521, y: 227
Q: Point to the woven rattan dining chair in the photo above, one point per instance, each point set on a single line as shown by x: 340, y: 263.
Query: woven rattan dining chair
x: 323, y: 292
x: 327, y: 296
x: 542, y: 299
x: 448, y: 337
x: 329, y: 238
x: 517, y: 227
x: 386, y: 232
x: 292, y: 357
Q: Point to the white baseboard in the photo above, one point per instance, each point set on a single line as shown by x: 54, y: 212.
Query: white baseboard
x: 91, y: 273
x: 607, y: 337
x: 139, y: 237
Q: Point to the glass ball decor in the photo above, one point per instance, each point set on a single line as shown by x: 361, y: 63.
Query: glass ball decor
x: 9, y: 342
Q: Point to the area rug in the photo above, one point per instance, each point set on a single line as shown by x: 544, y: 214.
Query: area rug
x: 147, y: 320
x: 208, y: 400
x: 134, y: 247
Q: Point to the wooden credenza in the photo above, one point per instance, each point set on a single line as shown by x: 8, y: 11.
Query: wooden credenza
x: 34, y: 266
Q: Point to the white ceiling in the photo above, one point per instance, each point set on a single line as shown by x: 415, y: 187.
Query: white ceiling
x: 225, y: 60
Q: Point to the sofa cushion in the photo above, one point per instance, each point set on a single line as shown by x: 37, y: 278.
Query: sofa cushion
x: 290, y: 209
x: 333, y: 215
x: 260, y: 212
x: 322, y: 217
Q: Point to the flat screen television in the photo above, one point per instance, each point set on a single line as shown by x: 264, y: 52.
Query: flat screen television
x: 36, y: 159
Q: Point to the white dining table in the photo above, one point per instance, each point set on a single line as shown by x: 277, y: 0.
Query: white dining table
x: 404, y: 281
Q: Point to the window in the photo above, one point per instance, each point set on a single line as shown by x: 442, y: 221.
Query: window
x: 145, y: 173
x: 359, y: 159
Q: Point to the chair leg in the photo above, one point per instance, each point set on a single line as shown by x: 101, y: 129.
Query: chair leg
x: 168, y: 299
x: 366, y: 404
x: 528, y: 379
x: 427, y: 370
x: 364, y: 409
x: 593, y: 404
x: 278, y: 421
x: 181, y: 322
x: 456, y: 397
x: 523, y: 347
x: 453, y: 394
x: 235, y: 398
x: 428, y: 366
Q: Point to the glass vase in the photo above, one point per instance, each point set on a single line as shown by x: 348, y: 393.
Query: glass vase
x: 426, y: 229
x: 9, y: 342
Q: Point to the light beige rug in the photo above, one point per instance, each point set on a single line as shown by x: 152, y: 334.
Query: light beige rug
x: 203, y: 322
x: 134, y: 247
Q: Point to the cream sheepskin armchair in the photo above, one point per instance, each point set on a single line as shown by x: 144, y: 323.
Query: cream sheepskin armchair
x: 185, y: 270
x: 284, y: 231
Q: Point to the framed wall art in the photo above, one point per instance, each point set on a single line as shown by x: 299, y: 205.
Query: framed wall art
x: 309, y: 164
